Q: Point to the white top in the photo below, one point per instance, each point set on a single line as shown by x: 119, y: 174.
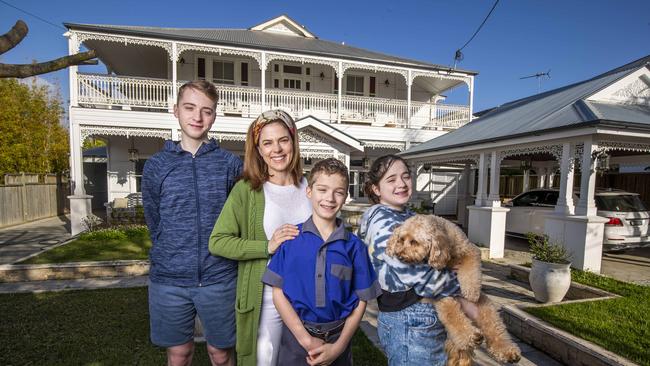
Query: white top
x: 285, y: 205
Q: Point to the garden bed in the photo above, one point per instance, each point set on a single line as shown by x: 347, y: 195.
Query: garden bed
x: 113, y: 252
x: 602, y: 322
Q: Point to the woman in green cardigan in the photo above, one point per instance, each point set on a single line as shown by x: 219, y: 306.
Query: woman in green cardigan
x: 260, y: 214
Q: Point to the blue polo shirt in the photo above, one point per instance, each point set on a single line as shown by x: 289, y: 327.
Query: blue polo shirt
x: 323, y: 280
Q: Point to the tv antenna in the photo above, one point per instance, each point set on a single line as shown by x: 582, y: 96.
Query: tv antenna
x: 539, y: 76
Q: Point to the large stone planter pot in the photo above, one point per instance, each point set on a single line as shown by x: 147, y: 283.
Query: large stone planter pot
x: 549, y: 281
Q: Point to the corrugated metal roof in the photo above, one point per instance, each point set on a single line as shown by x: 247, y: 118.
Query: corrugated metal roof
x: 621, y: 112
x: 263, y: 40
x: 560, y: 108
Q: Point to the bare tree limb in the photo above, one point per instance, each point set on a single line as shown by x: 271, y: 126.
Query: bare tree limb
x: 10, y: 39
x: 27, y: 70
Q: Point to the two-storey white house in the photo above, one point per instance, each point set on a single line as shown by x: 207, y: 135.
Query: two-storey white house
x: 350, y: 103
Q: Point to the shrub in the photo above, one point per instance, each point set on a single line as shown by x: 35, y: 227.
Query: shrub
x: 104, y: 234
x: 546, y: 251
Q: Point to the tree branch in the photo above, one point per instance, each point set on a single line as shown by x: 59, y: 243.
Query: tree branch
x: 27, y: 70
x: 10, y: 39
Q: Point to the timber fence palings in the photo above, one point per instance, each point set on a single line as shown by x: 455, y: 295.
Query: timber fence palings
x: 25, y: 200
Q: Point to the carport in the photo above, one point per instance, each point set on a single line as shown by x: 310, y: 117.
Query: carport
x: 580, y: 129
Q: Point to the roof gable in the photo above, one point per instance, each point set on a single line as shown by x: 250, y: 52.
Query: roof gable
x: 632, y: 89
x: 327, y: 129
x: 283, y: 25
x: 563, y: 108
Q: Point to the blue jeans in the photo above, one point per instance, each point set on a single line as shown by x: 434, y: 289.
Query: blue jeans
x: 412, y: 336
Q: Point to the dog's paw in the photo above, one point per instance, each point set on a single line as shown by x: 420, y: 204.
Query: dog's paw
x: 505, y: 352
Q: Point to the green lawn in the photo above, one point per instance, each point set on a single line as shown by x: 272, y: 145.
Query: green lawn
x: 620, y: 325
x: 102, y: 245
x: 97, y: 327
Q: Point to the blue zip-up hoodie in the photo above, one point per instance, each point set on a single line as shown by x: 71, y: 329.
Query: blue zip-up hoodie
x: 183, y: 196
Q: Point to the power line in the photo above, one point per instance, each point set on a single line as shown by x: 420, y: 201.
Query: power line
x: 34, y: 15
x: 459, y: 55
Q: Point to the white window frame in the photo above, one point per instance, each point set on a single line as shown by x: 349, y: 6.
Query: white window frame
x: 209, y: 71
x: 363, y: 85
x: 225, y: 81
x: 303, y: 77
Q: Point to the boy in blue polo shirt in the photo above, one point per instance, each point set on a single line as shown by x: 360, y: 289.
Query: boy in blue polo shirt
x: 323, y: 278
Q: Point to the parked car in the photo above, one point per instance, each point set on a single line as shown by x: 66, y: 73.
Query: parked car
x: 628, y: 225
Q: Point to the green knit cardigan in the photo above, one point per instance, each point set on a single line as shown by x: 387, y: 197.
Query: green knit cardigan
x: 239, y: 235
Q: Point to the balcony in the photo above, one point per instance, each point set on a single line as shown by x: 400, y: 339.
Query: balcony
x: 132, y: 93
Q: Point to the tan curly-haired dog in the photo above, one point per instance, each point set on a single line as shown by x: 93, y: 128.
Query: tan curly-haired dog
x: 440, y: 243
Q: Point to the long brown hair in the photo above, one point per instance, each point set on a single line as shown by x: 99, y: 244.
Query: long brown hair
x: 256, y: 171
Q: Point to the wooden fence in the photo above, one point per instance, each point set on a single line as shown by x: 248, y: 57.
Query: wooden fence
x: 29, y: 197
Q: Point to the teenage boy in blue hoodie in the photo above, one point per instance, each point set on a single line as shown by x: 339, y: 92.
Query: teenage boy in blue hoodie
x: 184, y: 187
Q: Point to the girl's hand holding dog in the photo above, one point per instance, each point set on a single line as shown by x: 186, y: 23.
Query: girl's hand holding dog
x: 282, y: 234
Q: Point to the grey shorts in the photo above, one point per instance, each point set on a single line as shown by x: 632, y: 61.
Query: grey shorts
x: 172, y: 310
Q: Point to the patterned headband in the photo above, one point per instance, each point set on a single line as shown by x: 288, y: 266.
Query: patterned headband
x: 273, y: 116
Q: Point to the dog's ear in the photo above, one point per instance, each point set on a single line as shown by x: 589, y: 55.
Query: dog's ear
x: 439, y: 251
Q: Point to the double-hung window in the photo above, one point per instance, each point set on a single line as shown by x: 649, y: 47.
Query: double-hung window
x: 354, y: 85
x: 223, y: 72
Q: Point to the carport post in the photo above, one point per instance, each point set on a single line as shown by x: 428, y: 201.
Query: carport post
x: 565, y: 200
x: 494, y: 200
x: 481, y: 192
x: 587, y: 205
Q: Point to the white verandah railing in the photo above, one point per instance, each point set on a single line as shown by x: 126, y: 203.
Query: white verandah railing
x: 142, y: 93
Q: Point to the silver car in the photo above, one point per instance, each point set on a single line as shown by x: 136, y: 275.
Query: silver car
x: 628, y: 225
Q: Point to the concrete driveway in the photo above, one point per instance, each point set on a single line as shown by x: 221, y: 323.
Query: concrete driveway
x: 22, y: 240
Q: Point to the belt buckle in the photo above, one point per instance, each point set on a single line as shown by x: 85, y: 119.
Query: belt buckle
x: 317, y: 333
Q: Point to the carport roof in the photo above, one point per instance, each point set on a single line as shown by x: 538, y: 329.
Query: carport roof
x: 562, y: 108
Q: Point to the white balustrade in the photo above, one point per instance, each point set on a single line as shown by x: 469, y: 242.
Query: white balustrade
x: 246, y: 101
x: 377, y: 111
x: 301, y: 104
x: 242, y: 100
x: 123, y: 91
x: 438, y: 116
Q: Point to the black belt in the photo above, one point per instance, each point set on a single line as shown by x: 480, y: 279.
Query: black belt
x: 324, y: 334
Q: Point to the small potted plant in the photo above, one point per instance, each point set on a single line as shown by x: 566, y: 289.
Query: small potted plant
x: 550, y: 274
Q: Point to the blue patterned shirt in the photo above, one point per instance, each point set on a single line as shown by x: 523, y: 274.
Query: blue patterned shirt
x: 376, y: 226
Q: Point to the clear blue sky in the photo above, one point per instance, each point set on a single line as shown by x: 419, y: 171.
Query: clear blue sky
x: 575, y: 39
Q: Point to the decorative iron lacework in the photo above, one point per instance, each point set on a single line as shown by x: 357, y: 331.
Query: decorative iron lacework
x: 636, y: 89
x: 384, y: 145
x: 375, y: 68
x: 310, y: 136
x: 606, y: 146
x: 270, y: 57
x: 577, y: 156
x: 318, y: 154
x: 84, y: 36
x: 182, y: 47
x: 225, y: 136
x: 87, y: 131
x: 436, y: 75
x: 555, y: 150
x: 449, y: 159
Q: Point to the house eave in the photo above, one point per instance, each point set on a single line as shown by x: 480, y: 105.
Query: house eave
x: 145, y: 34
x: 580, y: 129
